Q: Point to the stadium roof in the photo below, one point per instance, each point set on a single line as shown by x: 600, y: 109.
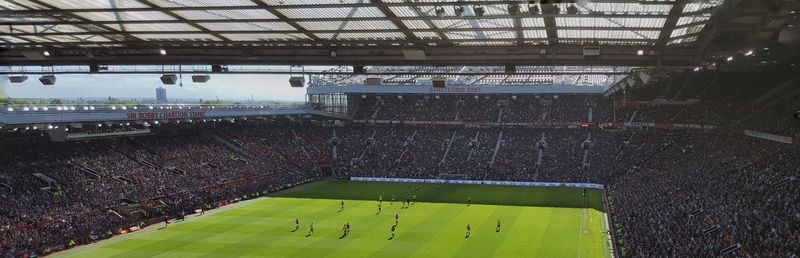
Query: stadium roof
x: 371, y: 32
x: 476, y: 75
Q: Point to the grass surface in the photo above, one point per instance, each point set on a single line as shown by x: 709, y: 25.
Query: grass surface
x: 433, y: 227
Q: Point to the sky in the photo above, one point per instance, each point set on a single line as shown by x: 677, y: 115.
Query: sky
x: 222, y: 86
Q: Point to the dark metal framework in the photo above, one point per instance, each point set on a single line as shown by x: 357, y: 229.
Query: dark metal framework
x: 354, y: 32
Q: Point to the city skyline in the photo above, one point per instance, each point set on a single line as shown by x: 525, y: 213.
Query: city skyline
x: 141, y: 86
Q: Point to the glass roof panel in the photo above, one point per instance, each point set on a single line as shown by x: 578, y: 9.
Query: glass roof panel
x: 534, y: 34
x: 682, y: 40
x: 449, y: 24
x: 607, y: 34
x: 87, y: 4
x: 266, y: 37
x: 11, y: 39
x: 494, y: 23
x: 610, y: 22
x: 625, y: 8
x: 427, y: 35
x: 693, y: 19
x: 461, y: 35
x: 95, y: 38
x: 37, y: 39
x: 501, y: 34
x: 416, y: 24
x: 702, y: 5
x: 82, y: 38
x: 226, y: 14
x: 242, y: 26
x: 176, y: 37
x: 326, y: 25
x: 495, y: 9
x: 11, y: 6
x: 403, y: 11
x: 370, y: 25
x: 160, y: 27
x: 362, y: 36
x: 312, y: 2
x: 688, y: 30
x: 26, y: 19
x: 126, y: 16
x: 60, y: 28
x: 180, y: 3
x: 349, y: 25
x: 429, y: 11
x: 532, y: 22
x: 308, y: 13
x: 21, y: 5
x: 26, y: 28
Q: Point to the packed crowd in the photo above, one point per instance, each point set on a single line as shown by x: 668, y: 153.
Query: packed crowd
x: 477, y: 153
x: 762, y: 99
x: 87, y: 191
x: 674, y: 193
x: 505, y: 108
x: 688, y: 194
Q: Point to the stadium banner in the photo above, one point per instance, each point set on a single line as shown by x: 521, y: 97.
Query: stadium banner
x: 166, y: 115
x: 541, y: 124
x: 537, y: 124
x: 473, y: 182
x: 655, y: 103
x: 769, y: 136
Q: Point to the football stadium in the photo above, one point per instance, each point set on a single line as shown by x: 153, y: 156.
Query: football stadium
x: 399, y: 128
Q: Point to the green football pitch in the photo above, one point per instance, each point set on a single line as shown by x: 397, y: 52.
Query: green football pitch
x: 535, y: 222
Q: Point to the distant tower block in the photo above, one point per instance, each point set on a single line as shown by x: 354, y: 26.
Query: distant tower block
x: 3, y: 84
x: 161, y: 95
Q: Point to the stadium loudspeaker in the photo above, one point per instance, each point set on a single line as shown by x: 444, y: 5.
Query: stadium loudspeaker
x: 358, y: 69
x: 297, y: 81
x: 414, y: 54
x: 511, y: 69
x: 169, y: 79
x: 34, y: 55
x: 373, y: 81
x: 439, y: 82
x: 48, y: 79
x: 18, y: 79
x: 201, y: 78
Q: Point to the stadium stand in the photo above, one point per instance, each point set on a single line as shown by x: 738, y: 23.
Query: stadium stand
x: 673, y: 193
x: 687, y: 112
